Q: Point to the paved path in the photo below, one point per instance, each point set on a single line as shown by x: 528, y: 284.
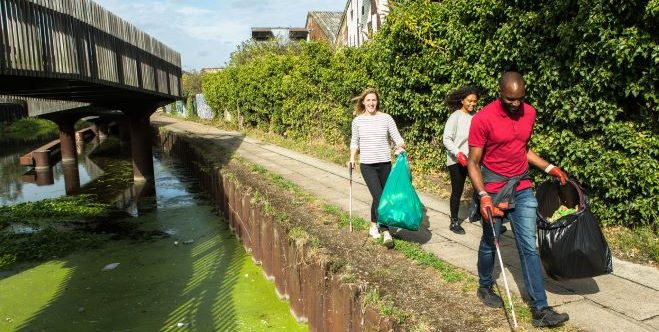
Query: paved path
x: 627, y: 300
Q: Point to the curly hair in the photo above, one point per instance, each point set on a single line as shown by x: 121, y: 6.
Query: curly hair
x: 454, y: 99
x: 359, y: 101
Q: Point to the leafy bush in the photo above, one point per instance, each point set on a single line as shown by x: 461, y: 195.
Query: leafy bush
x: 590, y: 69
x: 29, y: 130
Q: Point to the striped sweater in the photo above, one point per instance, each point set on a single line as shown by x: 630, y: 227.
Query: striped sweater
x: 371, y: 133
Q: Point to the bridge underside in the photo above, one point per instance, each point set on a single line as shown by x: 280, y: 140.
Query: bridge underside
x: 53, y: 52
x: 105, y: 96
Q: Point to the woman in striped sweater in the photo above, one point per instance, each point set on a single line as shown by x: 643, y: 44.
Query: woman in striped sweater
x: 371, y: 130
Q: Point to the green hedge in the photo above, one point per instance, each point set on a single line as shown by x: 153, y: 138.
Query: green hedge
x: 28, y: 130
x: 590, y: 67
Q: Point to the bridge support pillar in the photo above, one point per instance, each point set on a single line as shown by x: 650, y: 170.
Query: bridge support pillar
x: 44, y: 177
x: 95, y: 131
x: 67, y: 138
x: 41, y: 160
x: 80, y: 142
x: 124, y: 131
x: 103, y: 130
x: 140, y: 144
x: 71, y: 178
x: 80, y: 138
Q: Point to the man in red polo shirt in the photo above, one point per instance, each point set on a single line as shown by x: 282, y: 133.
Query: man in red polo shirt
x: 499, y: 158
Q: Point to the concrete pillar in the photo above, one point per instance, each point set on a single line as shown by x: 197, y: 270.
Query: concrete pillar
x: 41, y: 160
x: 144, y: 197
x: 71, y: 178
x: 103, y: 130
x: 44, y: 177
x: 80, y: 143
x: 94, y: 127
x: 140, y: 144
x: 67, y: 140
x: 124, y: 131
x: 80, y: 138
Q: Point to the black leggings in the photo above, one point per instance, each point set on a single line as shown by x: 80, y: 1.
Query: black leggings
x: 375, y: 176
x: 458, y: 175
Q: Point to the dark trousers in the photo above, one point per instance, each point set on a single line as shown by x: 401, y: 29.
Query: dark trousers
x: 375, y: 176
x: 458, y: 175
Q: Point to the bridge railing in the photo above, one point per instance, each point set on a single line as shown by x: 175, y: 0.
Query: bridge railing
x: 79, y: 39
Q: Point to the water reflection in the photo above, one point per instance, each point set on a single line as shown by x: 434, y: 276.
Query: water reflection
x: 71, y: 174
x: 20, y: 184
x: 179, y: 269
x: 138, y: 199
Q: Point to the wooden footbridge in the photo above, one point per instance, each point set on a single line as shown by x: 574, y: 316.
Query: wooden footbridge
x: 84, y: 61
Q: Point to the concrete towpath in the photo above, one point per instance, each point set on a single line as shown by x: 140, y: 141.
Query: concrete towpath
x: 626, y: 300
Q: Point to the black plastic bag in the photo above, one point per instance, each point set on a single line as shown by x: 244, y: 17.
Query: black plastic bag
x: 572, y: 246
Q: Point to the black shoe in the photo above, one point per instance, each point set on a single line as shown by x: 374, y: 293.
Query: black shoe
x: 455, y: 226
x: 547, y: 317
x: 503, y: 229
x: 489, y: 297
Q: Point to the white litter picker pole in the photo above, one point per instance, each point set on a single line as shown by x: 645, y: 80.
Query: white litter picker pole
x: 505, y: 280
x: 350, y: 209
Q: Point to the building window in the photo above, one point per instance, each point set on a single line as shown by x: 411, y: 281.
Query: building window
x: 362, y: 9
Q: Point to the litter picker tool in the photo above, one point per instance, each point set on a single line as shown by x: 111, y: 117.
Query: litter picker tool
x: 505, y: 280
x: 350, y: 209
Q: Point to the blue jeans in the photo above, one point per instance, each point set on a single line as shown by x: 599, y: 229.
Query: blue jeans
x: 523, y: 221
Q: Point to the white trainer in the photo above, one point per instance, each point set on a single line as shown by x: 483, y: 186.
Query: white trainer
x: 388, y: 241
x: 374, y: 232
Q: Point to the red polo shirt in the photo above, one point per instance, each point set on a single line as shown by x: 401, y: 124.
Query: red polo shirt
x: 504, y: 141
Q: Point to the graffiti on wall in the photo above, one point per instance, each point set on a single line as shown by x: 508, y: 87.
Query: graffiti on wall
x: 203, y: 110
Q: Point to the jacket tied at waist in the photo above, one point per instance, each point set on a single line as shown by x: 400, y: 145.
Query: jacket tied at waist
x: 505, y: 198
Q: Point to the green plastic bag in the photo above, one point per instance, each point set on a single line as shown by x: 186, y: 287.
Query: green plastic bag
x: 400, y: 205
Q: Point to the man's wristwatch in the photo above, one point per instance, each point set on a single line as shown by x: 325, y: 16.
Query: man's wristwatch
x: 483, y: 193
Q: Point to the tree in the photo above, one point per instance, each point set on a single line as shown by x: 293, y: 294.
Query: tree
x: 191, y: 82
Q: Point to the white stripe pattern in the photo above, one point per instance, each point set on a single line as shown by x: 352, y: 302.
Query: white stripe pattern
x: 371, y: 133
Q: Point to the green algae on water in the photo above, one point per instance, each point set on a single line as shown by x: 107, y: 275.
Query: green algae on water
x: 197, y: 278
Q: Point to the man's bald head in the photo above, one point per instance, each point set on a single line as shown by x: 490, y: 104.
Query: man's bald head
x: 512, y: 91
x: 511, y: 80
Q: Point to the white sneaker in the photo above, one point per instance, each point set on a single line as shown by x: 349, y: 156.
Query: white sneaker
x: 374, y: 232
x: 388, y: 241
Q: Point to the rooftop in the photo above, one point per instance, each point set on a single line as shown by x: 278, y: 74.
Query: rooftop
x: 329, y: 22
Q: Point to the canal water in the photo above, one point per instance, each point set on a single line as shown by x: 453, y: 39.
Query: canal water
x: 18, y: 184
x: 196, y: 277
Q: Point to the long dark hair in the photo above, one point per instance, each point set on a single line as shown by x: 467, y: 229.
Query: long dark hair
x: 455, y: 97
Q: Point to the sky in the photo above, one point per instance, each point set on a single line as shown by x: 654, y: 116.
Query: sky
x: 205, y: 32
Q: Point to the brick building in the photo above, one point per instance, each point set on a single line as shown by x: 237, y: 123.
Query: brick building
x: 323, y: 25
